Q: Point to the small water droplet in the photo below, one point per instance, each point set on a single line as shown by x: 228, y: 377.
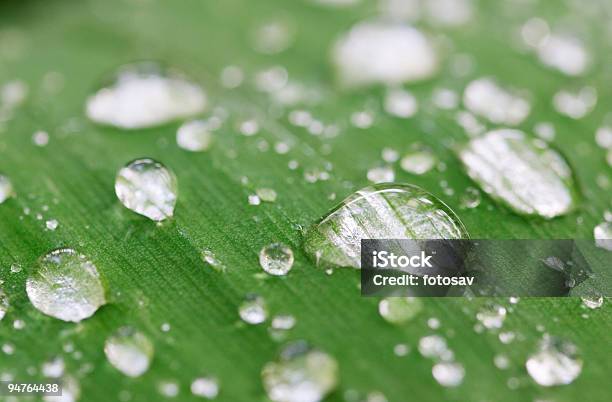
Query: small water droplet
x: 129, y: 351
x: 525, y: 174
x: 398, y: 310
x: 300, y: 374
x: 211, y: 259
x: 66, y: 285
x: 273, y: 37
x: 486, y: 98
x: 40, y: 138
x: 603, y: 137
x: 168, y: 388
x: 383, y: 211
x: 603, y: 235
x: 435, y: 347
x: 471, y: 198
x: 418, y: 162
x: 145, y: 95
x: 206, y: 387
x: 276, y: 259
x: 6, y: 188
x: 400, y: 103
x: 501, y: 362
x: 555, y: 363
x: 545, y: 131
x: 266, y: 194
x: 448, y: 374
x: 53, y: 368
x: 15, y: 268
x: 71, y: 391
x: 232, y: 77
x: 52, y: 224
x: 381, y: 174
x: 401, y: 350
x: 253, y: 310
x: 492, y: 315
x: 575, y: 104
x: 592, y: 301
x: 194, y: 136
x: 565, y: 53
x: 4, y: 304
x: 380, y: 52
x: 148, y: 188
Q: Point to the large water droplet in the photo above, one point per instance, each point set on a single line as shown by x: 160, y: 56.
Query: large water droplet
x: 487, y: 99
x: 129, y: 351
x: 525, y: 174
x: 276, y: 259
x: 148, y: 188
x: 382, y: 211
x: 301, y: 374
x: 555, y: 363
x: 379, y: 52
x: 397, y: 310
x: 6, y: 188
x: 66, y: 285
x: 145, y: 95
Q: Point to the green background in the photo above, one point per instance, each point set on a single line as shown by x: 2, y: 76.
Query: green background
x: 155, y: 273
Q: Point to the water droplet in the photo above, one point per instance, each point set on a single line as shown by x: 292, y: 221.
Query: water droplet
x: 445, y: 98
x: 266, y: 194
x: 6, y: 188
x: 148, y: 188
x: 276, y: 259
x: 603, y: 235
x: 300, y: 374
x: 400, y: 103
x: 129, y: 351
x: 486, y: 98
x: 19, y: 324
x: 283, y: 322
x: 448, y: 374
x: 273, y: 37
x: 52, y: 224
x: 603, y: 137
x: 53, y: 368
x: 15, y: 268
x: 575, y: 104
x: 525, y: 174
x: 449, y: 13
x: 501, y: 362
x: 253, y: 310
x: 435, y: 347
x: 381, y: 174
x: 555, y: 363
x: 211, y: 259
x: 592, y: 301
x: 66, y: 285
x: 168, y: 388
x: 545, y: 131
x: 565, y: 53
x: 254, y: 199
x: 165, y: 327
x: 194, y: 136
x: 382, y: 211
x: 40, y: 138
x: 471, y: 198
x: 145, y: 95
x: 232, y: 77
x: 398, y: 310
x: 388, y: 53
x: 401, y: 350
x: 492, y: 315
x: 4, y: 304
x: 418, y: 162
x: 206, y: 387
x: 71, y: 391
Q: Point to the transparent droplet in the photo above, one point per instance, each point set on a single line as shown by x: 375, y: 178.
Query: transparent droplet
x: 491, y: 315
x: 206, y: 387
x: 383, y: 52
x: 555, y: 363
x: 129, y: 351
x: 400, y: 103
x: 471, y: 198
x: 487, y: 99
x: 148, y: 188
x: 603, y: 235
x: 276, y: 259
x: 382, y: 211
x: 266, y: 194
x: 448, y: 374
x: 253, y: 310
x: 66, y: 285
x: 592, y: 301
x: 382, y: 174
x: 194, y: 136
x: 398, y: 310
x: 525, y: 174
x: 300, y: 374
x: 145, y: 95
x: 418, y: 162
x: 6, y: 188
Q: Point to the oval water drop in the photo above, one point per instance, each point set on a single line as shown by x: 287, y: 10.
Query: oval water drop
x: 523, y: 173
x: 381, y: 211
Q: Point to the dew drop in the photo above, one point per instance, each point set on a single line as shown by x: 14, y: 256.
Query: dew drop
x: 206, y: 387
x: 487, y: 99
x: 71, y: 391
x: 593, y: 302
x: 52, y: 224
x: 603, y: 137
x: 448, y: 374
x: 211, y: 259
x: 4, y: 304
x: 501, y: 362
x: 418, y: 162
x: 555, y: 363
x: 53, y: 368
x: 398, y: 310
x: 300, y: 374
x: 603, y: 235
x: 376, y: 52
x: 148, y: 188
x: 66, y: 285
x: 471, y: 198
x: 145, y: 95
x: 194, y: 136
x: 575, y: 104
x: 565, y: 53
x: 276, y: 259
x: 253, y: 310
x: 382, y: 211
x: 266, y: 194
x: 6, y: 189
x: 381, y: 174
x: 435, y: 347
x: 492, y: 316
x: 526, y: 175
x: 400, y: 103
x: 168, y: 388
x: 129, y: 351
